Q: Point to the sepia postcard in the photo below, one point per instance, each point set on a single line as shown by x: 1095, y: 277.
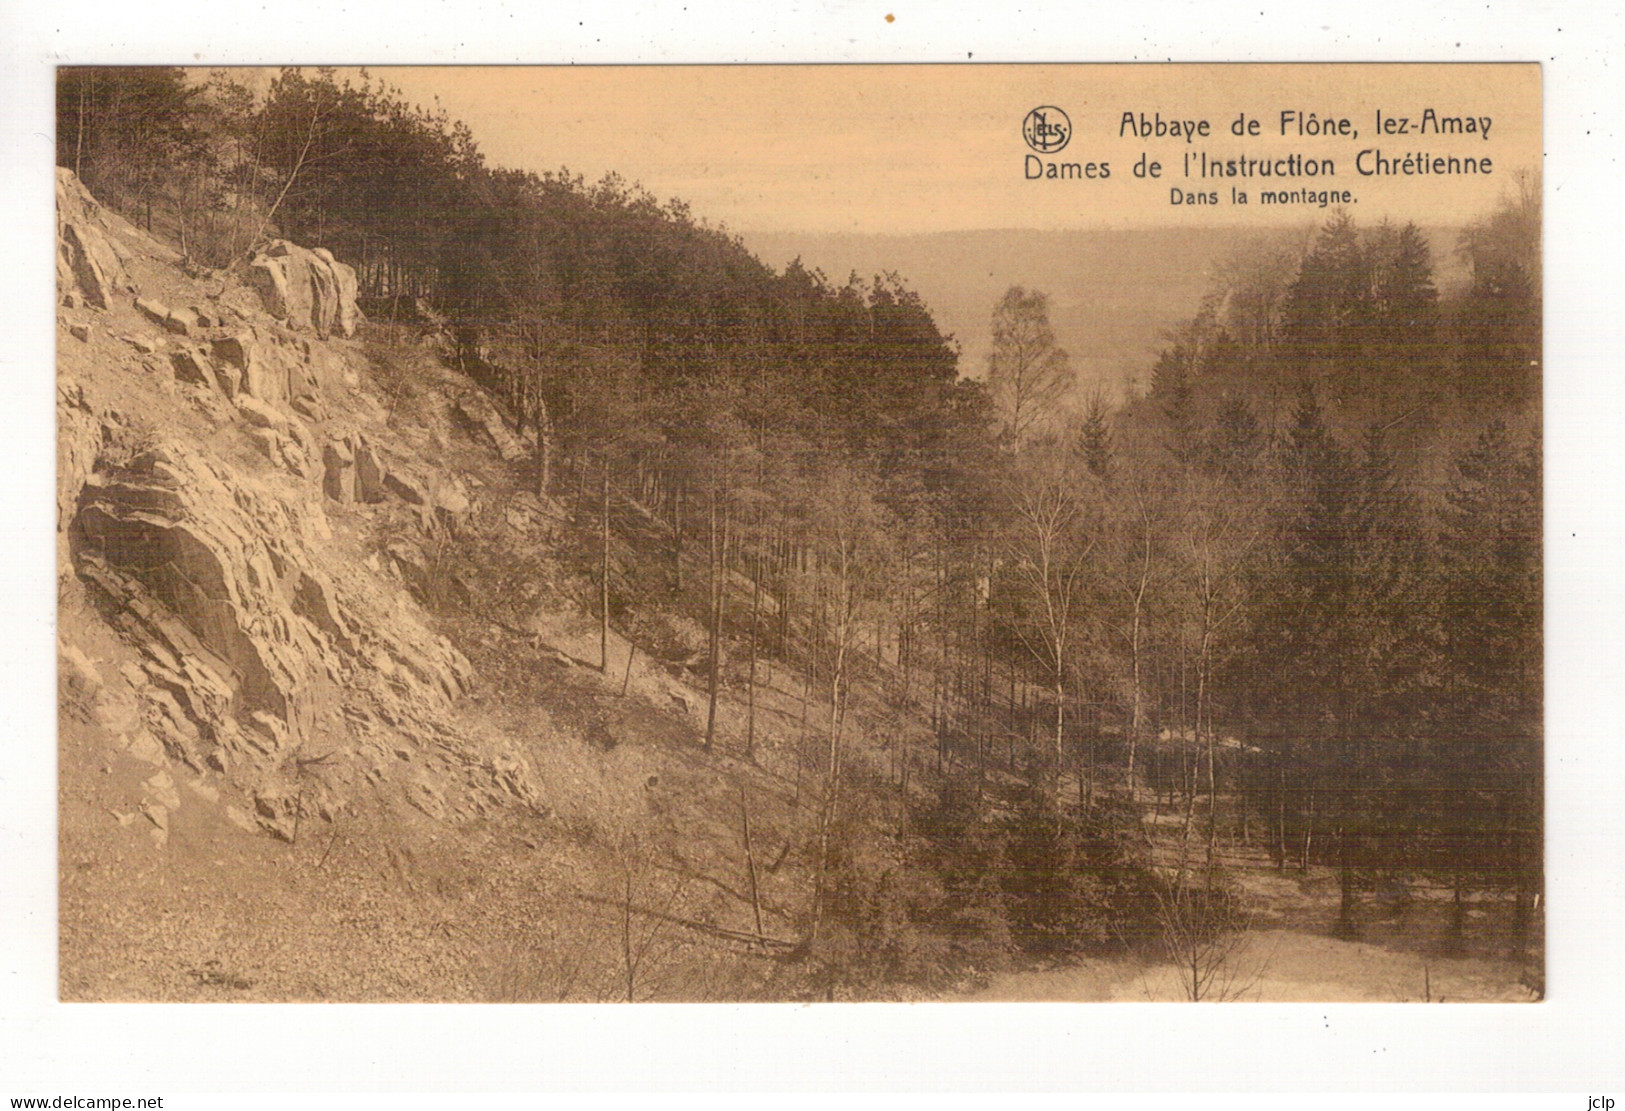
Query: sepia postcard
x: 800, y: 533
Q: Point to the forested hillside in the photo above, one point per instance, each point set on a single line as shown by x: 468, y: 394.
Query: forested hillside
x: 1046, y: 674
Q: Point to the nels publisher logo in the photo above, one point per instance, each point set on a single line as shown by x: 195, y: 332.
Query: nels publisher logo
x: 1046, y: 129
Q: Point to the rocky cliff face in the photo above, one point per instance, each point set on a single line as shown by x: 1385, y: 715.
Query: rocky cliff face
x: 206, y: 429
x: 305, y: 288
x: 92, y: 244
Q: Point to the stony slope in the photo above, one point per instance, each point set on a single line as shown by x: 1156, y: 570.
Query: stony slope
x: 280, y: 777
x: 203, y: 448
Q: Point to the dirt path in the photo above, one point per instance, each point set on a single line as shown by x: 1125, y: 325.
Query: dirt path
x: 1277, y: 966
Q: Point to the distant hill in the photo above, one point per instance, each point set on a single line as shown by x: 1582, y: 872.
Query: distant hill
x: 1113, y: 293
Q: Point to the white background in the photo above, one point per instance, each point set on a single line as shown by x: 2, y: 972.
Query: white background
x: 1571, y: 1043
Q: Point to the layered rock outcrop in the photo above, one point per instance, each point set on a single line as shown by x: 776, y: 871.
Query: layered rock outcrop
x: 91, y: 252
x: 306, y: 288
x: 78, y: 443
x: 254, y: 654
x: 262, y: 650
x: 475, y: 410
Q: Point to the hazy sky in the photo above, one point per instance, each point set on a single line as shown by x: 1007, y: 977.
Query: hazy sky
x: 905, y: 149
x: 819, y: 160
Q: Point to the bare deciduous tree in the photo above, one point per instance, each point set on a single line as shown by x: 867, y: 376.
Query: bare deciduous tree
x: 1047, y: 549
x: 1027, y: 372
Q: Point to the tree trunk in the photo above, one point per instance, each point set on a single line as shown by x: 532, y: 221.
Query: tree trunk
x: 1457, y: 940
x: 1202, y: 723
x: 581, y: 485
x: 1137, y: 708
x: 1189, y: 774
x: 1156, y: 786
x: 1280, y: 812
x: 714, y: 650
x: 750, y: 863
x: 626, y: 935
x: 544, y: 446
x: 1244, y: 806
x: 603, y: 572
x: 79, y: 142
x: 1345, y: 875
x: 755, y: 610
x: 835, y: 676
x: 1308, y: 830
x: 905, y: 628
x: 677, y: 540
x: 1060, y: 724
